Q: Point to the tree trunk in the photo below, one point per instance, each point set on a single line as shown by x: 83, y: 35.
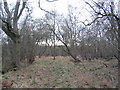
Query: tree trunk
x: 119, y: 39
x: 54, y: 48
x: 17, y: 52
x: 119, y: 51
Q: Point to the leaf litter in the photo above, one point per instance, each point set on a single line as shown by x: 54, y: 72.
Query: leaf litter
x: 62, y: 73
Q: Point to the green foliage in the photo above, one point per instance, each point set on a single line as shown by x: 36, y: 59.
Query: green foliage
x: 34, y: 81
x: 5, y: 77
x: 4, y: 70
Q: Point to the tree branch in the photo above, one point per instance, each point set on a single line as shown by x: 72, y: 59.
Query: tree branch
x: 39, y: 5
x: 67, y: 25
x: 51, y: 0
x: 16, y: 8
x: 102, y: 9
x: 91, y: 7
x: 98, y: 13
x: 8, y: 32
x: 6, y: 8
x: 68, y: 50
x: 23, y: 6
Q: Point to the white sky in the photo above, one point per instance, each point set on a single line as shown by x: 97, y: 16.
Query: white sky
x: 61, y: 6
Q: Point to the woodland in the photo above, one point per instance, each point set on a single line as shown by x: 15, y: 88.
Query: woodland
x: 60, y: 50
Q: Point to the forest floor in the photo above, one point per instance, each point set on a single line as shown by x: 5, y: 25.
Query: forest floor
x: 62, y: 73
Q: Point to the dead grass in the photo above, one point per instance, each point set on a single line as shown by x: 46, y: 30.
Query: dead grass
x: 61, y: 73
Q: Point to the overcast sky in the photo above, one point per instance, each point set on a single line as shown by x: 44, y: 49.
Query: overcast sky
x: 61, y: 6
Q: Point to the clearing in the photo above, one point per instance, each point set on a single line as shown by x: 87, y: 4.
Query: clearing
x: 62, y: 73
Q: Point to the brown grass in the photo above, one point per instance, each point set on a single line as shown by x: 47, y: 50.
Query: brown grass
x: 61, y: 73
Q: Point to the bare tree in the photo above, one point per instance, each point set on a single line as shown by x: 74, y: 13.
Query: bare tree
x: 110, y: 14
x: 10, y: 25
x: 61, y: 38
